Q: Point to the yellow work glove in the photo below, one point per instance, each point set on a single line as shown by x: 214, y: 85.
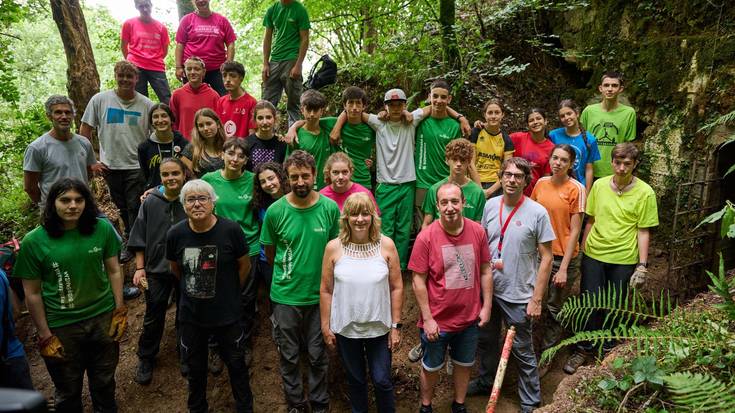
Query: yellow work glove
x: 119, y: 323
x: 51, y: 347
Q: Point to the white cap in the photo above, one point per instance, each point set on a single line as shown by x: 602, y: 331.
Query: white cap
x: 394, y: 94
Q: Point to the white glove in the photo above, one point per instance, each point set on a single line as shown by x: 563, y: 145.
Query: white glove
x: 639, y: 277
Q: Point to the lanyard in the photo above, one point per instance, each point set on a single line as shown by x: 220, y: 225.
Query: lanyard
x: 503, y: 227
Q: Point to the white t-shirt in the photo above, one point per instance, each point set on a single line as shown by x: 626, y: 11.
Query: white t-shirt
x: 395, y: 147
x: 121, y: 125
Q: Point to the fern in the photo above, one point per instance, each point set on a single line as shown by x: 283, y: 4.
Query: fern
x: 722, y: 287
x: 700, y: 392
x: 725, y: 119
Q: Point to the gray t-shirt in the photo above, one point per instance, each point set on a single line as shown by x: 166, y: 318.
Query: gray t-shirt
x: 395, y: 147
x: 529, y: 226
x: 121, y: 126
x: 54, y: 159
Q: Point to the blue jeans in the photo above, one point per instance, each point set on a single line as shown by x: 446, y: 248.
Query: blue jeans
x: 158, y: 82
x: 462, y: 347
x: 353, y: 352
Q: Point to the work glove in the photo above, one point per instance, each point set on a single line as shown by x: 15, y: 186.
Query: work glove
x: 639, y: 277
x: 51, y: 348
x: 119, y: 323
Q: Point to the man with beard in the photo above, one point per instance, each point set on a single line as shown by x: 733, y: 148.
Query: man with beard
x: 296, y: 229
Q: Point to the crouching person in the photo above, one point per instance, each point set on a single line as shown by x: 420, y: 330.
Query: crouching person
x: 209, y: 256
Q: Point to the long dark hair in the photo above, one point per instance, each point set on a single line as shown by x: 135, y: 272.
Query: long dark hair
x: 569, y: 103
x: 572, y: 157
x: 543, y: 115
x: 51, y: 221
x: 260, y: 198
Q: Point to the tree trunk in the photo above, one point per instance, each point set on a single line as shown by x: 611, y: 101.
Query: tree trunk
x: 185, y: 7
x: 369, y: 33
x: 449, y: 39
x: 83, y: 81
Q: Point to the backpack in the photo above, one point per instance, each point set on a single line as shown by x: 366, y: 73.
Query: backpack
x: 322, y: 75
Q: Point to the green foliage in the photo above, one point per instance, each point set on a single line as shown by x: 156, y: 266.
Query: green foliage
x: 700, y: 392
x: 723, y: 288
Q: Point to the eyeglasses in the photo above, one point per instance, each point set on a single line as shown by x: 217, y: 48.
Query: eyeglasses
x: 509, y: 175
x: 194, y: 199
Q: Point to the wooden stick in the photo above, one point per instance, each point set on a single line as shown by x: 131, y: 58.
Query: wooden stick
x: 500, y: 374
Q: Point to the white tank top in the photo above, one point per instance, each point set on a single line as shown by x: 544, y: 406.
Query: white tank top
x: 361, y: 296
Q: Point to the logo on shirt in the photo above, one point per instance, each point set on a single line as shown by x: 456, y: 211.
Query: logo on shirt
x: 121, y: 116
x: 230, y: 128
x: 287, y: 261
x: 94, y: 250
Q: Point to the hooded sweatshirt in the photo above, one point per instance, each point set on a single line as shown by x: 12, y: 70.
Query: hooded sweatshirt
x: 185, y: 102
x: 155, y: 217
x: 153, y: 151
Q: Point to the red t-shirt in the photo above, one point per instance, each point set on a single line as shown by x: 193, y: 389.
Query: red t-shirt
x: 536, y: 153
x: 146, y: 43
x: 237, y: 115
x: 341, y: 198
x: 205, y: 38
x: 452, y: 265
x: 185, y: 102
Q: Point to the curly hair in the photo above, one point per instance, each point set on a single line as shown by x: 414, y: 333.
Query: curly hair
x: 461, y: 149
x: 58, y: 100
x: 51, y: 221
x: 261, y: 199
x: 197, y: 142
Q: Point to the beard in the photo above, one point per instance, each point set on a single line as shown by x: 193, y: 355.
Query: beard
x: 302, y: 192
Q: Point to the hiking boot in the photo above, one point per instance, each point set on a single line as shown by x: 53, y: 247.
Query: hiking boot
x: 130, y: 292
x: 574, y: 361
x: 415, y: 353
x: 144, y: 373
x: 215, y: 363
x: 477, y: 388
x: 426, y: 409
x: 458, y: 407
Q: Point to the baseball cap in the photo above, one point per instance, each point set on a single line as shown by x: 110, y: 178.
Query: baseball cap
x: 394, y: 94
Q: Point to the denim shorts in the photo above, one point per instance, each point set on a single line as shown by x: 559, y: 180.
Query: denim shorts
x: 462, y: 348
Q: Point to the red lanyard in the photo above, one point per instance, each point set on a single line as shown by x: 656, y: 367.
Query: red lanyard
x: 503, y: 227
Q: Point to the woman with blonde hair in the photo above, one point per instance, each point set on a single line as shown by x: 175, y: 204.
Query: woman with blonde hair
x: 338, y: 172
x: 204, y: 153
x: 361, y: 299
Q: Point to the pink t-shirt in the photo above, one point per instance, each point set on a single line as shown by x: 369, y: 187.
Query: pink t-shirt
x: 536, y: 153
x: 452, y: 265
x: 185, y: 102
x: 205, y: 38
x: 341, y: 198
x: 147, y: 43
x: 237, y: 115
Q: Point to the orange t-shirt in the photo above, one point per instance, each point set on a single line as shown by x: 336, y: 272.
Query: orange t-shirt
x: 561, y: 202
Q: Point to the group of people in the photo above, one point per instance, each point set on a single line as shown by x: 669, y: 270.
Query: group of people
x: 321, y: 219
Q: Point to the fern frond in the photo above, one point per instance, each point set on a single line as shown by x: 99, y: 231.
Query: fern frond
x: 723, y: 288
x: 725, y: 119
x: 700, y: 392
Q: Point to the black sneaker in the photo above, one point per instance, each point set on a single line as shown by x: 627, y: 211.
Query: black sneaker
x: 477, y: 388
x: 130, y: 292
x: 144, y: 374
x: 426, y: 409
x: 458, y: 407
x: 574, y: 361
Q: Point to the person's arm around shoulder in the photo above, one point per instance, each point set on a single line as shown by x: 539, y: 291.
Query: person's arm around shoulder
x: 336, y: 134
x: 326, y: 289
x: 464, y: 124
x: 395, y: 281
x: 291, y: 137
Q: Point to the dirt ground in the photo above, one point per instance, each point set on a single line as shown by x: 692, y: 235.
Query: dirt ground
x: 168, y: 390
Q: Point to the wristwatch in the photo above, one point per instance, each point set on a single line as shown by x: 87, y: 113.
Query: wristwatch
x: 643, y: 263
x: 397, y: 326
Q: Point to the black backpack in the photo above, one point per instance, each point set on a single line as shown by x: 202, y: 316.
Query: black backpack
x: 323, y: 73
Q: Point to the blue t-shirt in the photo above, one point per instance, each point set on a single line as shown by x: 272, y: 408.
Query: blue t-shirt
x: 15, y: 348
x: 588, y: 153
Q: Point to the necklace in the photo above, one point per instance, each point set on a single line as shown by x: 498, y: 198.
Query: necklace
x: 619, y: 190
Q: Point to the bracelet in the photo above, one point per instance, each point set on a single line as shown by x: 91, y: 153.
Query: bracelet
x: 460, y: 116
x: 138, y: 269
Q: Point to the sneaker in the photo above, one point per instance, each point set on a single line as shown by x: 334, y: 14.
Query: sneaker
x: 458, y: 407
x: 296, y: 409
x: 415, y: 353
x: 215, y: 363
x: 130, y: 292
x: 144, y: 374
x: 426, y: 409
x: 477, y: 388
x: 574, y: 362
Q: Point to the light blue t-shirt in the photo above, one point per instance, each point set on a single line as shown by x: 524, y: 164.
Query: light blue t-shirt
x: 586, y: 153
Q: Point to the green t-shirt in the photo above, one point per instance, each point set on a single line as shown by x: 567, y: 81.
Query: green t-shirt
x: 286, y: 21
x: 358, y: 142
x: 74, y: 283
x: 432, y: 136
x: 318, y: 146
x: 610, y: 129
x: 613, y: 238
x: 235, y: 202
x: 299, y: 236
x: 474, y: 200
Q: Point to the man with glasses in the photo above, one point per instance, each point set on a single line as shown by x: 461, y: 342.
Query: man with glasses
x: 519, y: 231
x: 209, y: 255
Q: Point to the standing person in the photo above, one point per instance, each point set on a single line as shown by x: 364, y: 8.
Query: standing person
x: 458, y: 155
x: 236, y: 108
x: 163, y: 143
x: 621, y: 209
x: 209, y: 36
x: 519, y: 233
x: 120, y: 117
x: 208, y: 255
x: 204, y: 153
x: 296, y: 229
x: 452, y: 280
x: 583, y: 142
x: 159, y: 212
x: 14, y: 369
x: 56, y: 154
x: 564, y: 199
x: 73, y: 287
x: 283, y: 57
x: 493, y: 146
x: 534, y: 146
x: 610, y: 121
x: 144, y: 43
x: 264, y: 145
x: 338, y: 172
x: 361, y: 300
x: 191, y: 97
